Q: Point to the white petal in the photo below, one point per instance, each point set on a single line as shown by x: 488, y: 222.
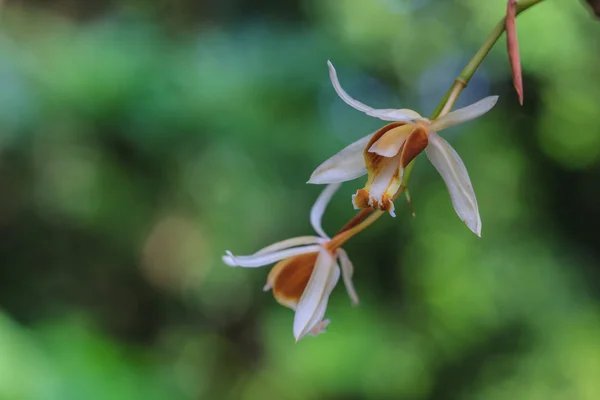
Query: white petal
x: 318, y: 209
x: 453, y: 171
x: 347, y: 164
x: 347, y: 272
x: 260, y: 260
x: 464, y: 114
x: 342, y: 93
x: 387, y: 114
x: 313, y: 303
x: 286, y: 244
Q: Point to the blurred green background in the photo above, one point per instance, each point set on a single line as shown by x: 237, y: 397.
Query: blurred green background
x: 141, y: 139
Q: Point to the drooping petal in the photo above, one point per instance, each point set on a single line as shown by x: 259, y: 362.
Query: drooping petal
x: 387, y: 114
x: 346, y: 165
x: 347, y: 272
x: 260, y: 260
x: 289, y: 277
x: 313, y: 303
x: 318, y: 209
x: 286, y: 244
x: 389, y: 144
x: 464, y: 114
x: 455, y: 175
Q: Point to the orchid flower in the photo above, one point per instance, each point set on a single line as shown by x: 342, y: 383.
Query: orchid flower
x: 306, y: 272
x: 385, y: 154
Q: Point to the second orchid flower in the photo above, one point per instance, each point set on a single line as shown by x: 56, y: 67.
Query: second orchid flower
x: 306, y: 272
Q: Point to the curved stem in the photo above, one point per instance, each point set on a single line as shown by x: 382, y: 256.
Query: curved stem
x: 342, y: 237
x: 453, y: 93
x: 357, y: 219
x: 360, y: 222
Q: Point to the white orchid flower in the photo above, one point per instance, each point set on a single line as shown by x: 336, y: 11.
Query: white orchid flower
x: 385, y: 154
x: 306, y: 272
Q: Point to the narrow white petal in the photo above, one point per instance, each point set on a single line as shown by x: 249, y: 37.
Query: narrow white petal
x: 347, y: 272
x: 464, y: 114
x: 260, y: 260
x: 453, y: 171
x: 286, y: 244
x: 347, y: 164
x: 387, y: 114
x: 313, y: 303
x: 342, y: 93
x: 318, y: 209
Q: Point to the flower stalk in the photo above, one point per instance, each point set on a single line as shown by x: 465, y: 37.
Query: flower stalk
x: 344, y: 236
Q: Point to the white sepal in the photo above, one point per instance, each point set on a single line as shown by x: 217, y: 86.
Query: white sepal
x: 464, y: 114
x: 387, y: 114
x: 313, y: 303
x: 455, y: 175
x: 293, y: 242
x: 347, y: 273
x: 347, y: 164
x: 260, y: 260
x: 318, y: 209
